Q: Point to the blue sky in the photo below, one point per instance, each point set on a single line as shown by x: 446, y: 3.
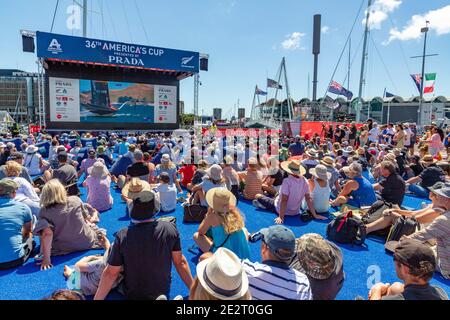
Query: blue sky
x: 246, y: 40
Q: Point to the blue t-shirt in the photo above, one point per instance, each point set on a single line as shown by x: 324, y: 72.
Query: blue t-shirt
x: 123, y: 148
x: 297, y: 149
x: 13, y: 215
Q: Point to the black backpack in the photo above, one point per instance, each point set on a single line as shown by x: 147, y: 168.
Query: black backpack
x: 404, y: 226
x: 347, y: 229
x: 375, y: 211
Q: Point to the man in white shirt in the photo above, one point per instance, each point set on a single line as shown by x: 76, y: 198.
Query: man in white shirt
x: 374, y: 133
x: 408, y: 133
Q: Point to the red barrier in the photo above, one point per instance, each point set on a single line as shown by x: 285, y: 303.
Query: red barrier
x: 308, y: 129
x: 34, y: 129
x: 239, y: 132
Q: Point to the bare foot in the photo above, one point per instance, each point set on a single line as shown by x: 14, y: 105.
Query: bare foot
x: 67, y: 272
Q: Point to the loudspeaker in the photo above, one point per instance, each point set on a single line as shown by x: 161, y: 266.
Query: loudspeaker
x: 317, y: 31
x: 28, y: 44
x: 203, y: 64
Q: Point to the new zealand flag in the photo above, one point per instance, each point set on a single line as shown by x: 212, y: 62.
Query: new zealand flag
x: 336, y: 88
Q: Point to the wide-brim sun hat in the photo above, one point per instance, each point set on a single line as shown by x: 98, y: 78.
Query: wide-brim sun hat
x: 98, y: 170
x: 328, y: 161
x: 214, y: 172
x: 220, y: 199
x: 293, y: 167
x: 320, y: 172
x: 428, y: 159
x: 31, y: 149
x: 312, y: 153
x: 222, y: 275
x: 134, y: 188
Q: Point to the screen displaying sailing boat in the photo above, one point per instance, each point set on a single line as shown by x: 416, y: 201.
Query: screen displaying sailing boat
x: 107, y: 101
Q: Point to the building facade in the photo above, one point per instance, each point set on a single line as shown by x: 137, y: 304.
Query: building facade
x: 19, y: 94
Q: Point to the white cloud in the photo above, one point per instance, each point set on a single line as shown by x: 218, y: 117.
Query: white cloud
x: 439, y: 22
x: 379, y: 12
x: 292, y: 41
x: 325, y: 29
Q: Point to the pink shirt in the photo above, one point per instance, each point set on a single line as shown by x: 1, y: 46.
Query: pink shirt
x: 99, y: 195
x: 295, y: 189
x: 436, y: 142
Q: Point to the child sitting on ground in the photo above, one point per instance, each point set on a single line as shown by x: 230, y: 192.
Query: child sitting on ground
x: 167, y: 193
x: 88, y: 271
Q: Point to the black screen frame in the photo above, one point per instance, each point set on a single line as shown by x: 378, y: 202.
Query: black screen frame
x: 101, y: 73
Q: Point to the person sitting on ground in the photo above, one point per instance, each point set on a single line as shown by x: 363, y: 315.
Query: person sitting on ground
x: 309, y: 161
x: 101, y: 154
x: 392, y: 187
x: 252, y: 178
x: 414, y: 264
x: 147, y: 244
x: 168, y: 166
x: 18, y: 158
x: 33, y: 161
x: 65, y: 224
x: 98, y: 184
x: 16, y: 240
x: 297, y: 148
x: 87, y: 272
x: 120, y: 167
x: 231, y: 176
x: 320, y: 189
x: 139, y: 169
x: 322, y: 262
x: 438, y: 231
x: 424, y: 216
x: 25, y: 193
x: 65, y: 173
x: 187, y: 171
x: 220, y: 277
x: 358, y: 191
x: 213, y: 179
x: 274, y: 180
x: 151, y: 167
x: 274, y: 279
x: 413, y: 167
x: 200, y: 172
x: 88, y: 162
x: 430, y: 176
x: 223, y: 225
x: 335, y: 187
x: 293, y: 190
x: 167, y: 193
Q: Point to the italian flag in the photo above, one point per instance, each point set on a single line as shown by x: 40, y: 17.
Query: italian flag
x: 430, y: 79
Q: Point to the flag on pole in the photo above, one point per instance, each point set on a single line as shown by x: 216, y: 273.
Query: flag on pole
x: 387, y: 94
x: 260, y: 92
x: 273, y: 84
x: 430, y: 79
x: 338, y: 89
x: 330, y: 103
x: 417, y: 78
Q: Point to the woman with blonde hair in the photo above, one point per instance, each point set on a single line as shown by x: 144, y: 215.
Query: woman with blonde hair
x: 223, y: 226
x: 220, y: 277
x: 65, y: 224
x: 26, y: 193
x: 168, y: 166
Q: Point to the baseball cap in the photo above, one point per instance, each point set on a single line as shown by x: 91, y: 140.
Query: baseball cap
x: 415, y: 254
x: 8, y: 186
x: 280, y: 240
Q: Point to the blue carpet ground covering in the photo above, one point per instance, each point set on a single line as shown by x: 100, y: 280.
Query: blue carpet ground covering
x: 362, y: 265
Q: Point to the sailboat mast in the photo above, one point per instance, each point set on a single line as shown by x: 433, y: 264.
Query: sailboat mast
x: 363, y: 64
x: 84, y: 18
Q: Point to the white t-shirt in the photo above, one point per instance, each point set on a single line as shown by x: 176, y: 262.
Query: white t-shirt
x: 32, y: 163
x: 25, y: 189
x: 167, y: 196
x: 407, y: 138
x: 373, y: 134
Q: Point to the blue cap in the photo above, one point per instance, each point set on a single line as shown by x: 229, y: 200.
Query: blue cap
x: 280, y: 238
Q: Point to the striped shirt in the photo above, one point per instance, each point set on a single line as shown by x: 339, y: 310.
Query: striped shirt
x: 253, y: 184
x: 438, y: 230
x: 272, y: 280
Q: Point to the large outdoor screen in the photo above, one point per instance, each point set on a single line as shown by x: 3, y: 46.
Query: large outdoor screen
x: 92, y: 102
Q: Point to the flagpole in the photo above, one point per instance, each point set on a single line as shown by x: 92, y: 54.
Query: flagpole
x: 253, y: 103
x: 419, y: 115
